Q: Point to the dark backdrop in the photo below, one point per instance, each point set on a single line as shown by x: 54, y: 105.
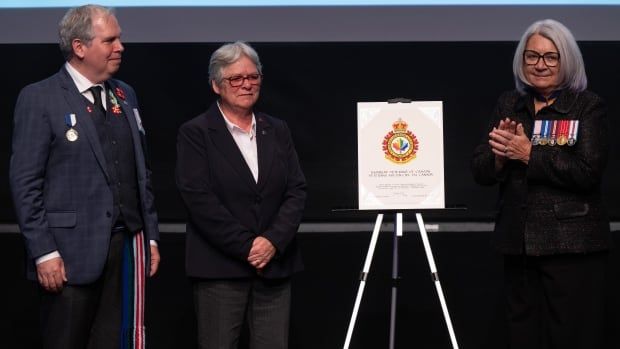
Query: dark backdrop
x: 315, y: 87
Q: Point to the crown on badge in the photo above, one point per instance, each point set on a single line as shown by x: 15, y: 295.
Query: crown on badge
x: 399, y: 125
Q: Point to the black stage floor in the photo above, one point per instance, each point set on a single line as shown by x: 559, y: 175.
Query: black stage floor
x: 323, y: 295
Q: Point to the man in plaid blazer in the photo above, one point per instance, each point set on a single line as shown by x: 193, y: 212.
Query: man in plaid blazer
x: 82, y: 188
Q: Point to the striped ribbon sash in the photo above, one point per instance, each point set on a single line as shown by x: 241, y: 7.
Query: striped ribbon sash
x: 133, y: 279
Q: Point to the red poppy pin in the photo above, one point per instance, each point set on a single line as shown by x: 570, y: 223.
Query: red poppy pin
x: 120, y: 93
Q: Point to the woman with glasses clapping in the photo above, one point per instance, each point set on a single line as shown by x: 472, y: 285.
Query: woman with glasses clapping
x: 546, y: 147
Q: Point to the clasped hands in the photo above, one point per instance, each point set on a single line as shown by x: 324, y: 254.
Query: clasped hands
x: 509, y: 142
x: 261, y: 252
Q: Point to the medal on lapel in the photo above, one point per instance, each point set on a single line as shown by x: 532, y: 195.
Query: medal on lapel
x: 536, y: 133
x: 116, y: 108
x: 563, y: 132
x: 544, y: 136
x: 553, y: 127
x: 71, y: 134
x: 555, y: 132
x: 572, y: 133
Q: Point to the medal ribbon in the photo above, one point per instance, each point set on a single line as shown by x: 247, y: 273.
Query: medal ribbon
x: 545, y: 129
x: 563, y: 134
x: 536, y: 133
x: 554, y: 126
x: 574, y: 129
x: 70, y: 120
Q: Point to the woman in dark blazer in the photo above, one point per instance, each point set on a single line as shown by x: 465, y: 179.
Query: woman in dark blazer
x: 547, y: 147
x: 240, y: 179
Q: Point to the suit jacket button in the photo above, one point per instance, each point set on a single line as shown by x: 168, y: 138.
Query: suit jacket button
x: 257, y: 199
x: 108, y: 214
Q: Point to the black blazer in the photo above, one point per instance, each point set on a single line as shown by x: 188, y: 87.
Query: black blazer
x: 552, y: 205
x: 227, y: 209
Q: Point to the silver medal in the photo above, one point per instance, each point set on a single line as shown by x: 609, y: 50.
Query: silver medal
x: 72, y: 135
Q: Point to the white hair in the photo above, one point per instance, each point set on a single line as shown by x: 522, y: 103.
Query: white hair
x: 572, y: 72
x: 228, y: 54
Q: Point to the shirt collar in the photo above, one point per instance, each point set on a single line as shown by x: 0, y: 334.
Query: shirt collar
x: 231, y: 126
x: 538, y: 96
x: 81, y: 82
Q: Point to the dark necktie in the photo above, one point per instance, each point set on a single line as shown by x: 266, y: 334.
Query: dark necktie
x: 96, y: 92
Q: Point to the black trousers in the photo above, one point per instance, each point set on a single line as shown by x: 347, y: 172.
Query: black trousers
x: 223, y: 306
x: 86, y: 316
x: 556, y: 301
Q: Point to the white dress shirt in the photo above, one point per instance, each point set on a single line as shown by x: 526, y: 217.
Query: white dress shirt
x: 246, y: 142
x: 83, y: 85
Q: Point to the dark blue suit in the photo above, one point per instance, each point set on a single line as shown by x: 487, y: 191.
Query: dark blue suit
x: 61, y: 189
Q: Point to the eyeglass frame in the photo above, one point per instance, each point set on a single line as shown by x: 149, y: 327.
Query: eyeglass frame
x: 259, y: 79
x: 541, y: 56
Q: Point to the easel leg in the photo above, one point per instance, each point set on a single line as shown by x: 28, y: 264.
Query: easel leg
x: 435, y: 275
x: 398, y: 232
x: 360, y: 291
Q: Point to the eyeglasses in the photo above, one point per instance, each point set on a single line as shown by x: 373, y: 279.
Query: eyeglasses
x: 238, y: 80
x: 551, y: 59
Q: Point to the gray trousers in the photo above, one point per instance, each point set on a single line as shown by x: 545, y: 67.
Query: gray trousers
x: 223, y: 306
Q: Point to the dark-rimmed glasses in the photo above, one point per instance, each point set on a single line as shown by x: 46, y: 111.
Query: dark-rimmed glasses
x: 551, y: 59
x: 237, y: 80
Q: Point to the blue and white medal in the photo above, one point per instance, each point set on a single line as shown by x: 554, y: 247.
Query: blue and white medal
x: 71, y: 134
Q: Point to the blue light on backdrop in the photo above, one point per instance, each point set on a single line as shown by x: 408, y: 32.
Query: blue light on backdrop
x: 35, y: 21
x: 176, y: 3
